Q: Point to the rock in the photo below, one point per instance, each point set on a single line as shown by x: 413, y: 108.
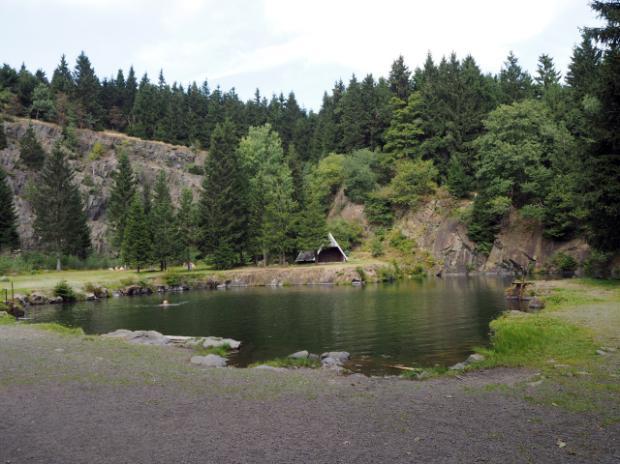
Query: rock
x: 299, y: 355
x: 476, y: 357
x: 275, y: 283
x: 265, y: 367
x: 210, y: 360
x: 535, y: 384
x: 214, y: 342
x: 132, y: 290
x: 609, y: 349
x: 102, y: 292
x: 339, y: 356
x: 458, y: 366
x: 314, y: 357
x: 90, y: 297
x: 55, y: 300
x: 37, y: 298
x: 330, y: 363
x: 142, y: 337
x: 601, y: 352
x: 536, y: 303
x: 357, y: 282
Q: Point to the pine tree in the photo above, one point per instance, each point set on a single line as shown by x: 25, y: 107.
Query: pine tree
x: 9, y: 238
x: 224, y: 202
x: 86, y: 93
x: 403, y: 137
x: 3, y: 142
x: 546, y: 74
x: 583, y: 70
x: 123, y: 190
x: 30, y: 150
x: 60, y: 222
x: 515, y: 83
x: 62, y: 80
x: 311, y: 226
x: 186, y: 226
x: 42, y: 103
x: 399, y: 79
x: 137, y: 247
x: 163, y: 226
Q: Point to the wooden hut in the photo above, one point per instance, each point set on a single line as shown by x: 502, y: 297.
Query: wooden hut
x: 330, y: 253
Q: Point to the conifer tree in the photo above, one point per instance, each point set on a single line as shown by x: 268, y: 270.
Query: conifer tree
x: 60, y: 222
x: 137, y: 247
x: 62, y: 80
x: 515, y: 83
x: 186, y: 226
x: 123, y: 190
x: 311, y: 225
x: 403, y: 137
x: 162, y: 222
x: 223, y: 202
x: 86, y: 92
x: 399, y: 82
x: 30, y: 150
x: 9, y: 238
x: 3, y: 141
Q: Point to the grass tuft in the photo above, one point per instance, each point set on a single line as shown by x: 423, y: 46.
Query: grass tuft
x: 58, y: 328
x: 222, y: 351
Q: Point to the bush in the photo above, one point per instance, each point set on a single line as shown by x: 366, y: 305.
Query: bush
x: 563, y: 263
x: 401, y: 242
x: 379, y: 210
x: 64, y: 290
x: 96, y: 152
x: 360, y: 179
x: 598, y: 265
x: 348, y: 234
x: 376, y: 247
x: 173, y: 279
x: 196, y: 169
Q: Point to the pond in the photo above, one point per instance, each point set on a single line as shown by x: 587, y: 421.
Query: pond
x: 416, y: 323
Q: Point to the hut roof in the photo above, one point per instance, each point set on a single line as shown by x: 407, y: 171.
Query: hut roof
x: 306, y: 257
x: 333, y: 244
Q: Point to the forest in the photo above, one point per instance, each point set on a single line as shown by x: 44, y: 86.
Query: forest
x: 544, y: 144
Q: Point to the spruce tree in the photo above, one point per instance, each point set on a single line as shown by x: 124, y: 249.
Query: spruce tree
x: 162, y: 223
x: 60, y: 223
x: 137, y: 247
x: 62, y: 80
x: 30, y: 150
x: 3, y: 142
x: 9, y: 238
x: 399, y: 82
x: 86, y: 92
x: 123, y: 190
x: 186, y: 226
x: 403, y: 137
x: 223, y: 202
x: 515, y: 83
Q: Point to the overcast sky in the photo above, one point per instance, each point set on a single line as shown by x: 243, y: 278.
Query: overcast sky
x: 283, y: 45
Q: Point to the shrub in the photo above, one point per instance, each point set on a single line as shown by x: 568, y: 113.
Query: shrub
x: 376, y: 247
x: 379, y: 210
x: 401, y: 242
x: 564, y: 263
x: 64, y: 290
x: 196, y: 169
x: 359, y: 178
x: 96, y: 152
x: 598, y: 265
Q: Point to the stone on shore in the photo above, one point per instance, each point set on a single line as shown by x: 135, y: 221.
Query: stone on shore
x: 210, y: 360
x: 340, y: 357
x: 299, y: 355
x: 55, y: 300
x: 142, y: 337
x: 37, y: 298
x: 216, y: 342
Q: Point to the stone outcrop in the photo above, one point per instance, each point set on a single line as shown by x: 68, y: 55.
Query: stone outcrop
x: 148, y: 158
x: 210, y: 360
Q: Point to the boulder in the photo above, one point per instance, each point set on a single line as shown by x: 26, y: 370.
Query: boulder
x: 339, y: 356
x: 90, y: 297
x: 215, y: 342
x: 458, y: 366
x: 210, y: 360
x: 330, y: 363
x: 299, y: 355
x: 55, y: 300
x: 102, y: 292
x: 314, y: 357
x: 476, y: 357
x: 132, y: 290
x: 142, y: 337
x: 37, y: 298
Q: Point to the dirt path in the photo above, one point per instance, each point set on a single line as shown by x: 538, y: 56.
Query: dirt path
x: 72, y: 399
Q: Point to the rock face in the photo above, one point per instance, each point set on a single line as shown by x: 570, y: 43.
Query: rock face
x: 94, y: 176
x: 210, y: 360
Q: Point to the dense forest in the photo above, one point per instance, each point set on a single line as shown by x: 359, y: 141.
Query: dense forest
x: 545, y: 144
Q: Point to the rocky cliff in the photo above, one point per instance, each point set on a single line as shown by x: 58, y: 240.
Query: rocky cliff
x: 94, y: 175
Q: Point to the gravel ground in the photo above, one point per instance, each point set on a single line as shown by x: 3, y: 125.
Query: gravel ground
x: 75, y: 399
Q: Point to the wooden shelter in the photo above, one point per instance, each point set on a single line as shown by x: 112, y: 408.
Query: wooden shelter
x: 330, y: 253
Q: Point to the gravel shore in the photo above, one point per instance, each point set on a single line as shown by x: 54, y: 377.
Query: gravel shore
x: 84, y: 399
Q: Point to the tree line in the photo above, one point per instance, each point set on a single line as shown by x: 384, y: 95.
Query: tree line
x: 545, y: 147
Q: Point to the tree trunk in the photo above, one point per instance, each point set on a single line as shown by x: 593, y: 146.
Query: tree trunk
x: 58, y: 264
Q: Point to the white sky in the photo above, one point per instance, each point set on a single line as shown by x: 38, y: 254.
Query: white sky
x: 280, y: 45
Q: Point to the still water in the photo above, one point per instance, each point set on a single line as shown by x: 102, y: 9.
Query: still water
x: 417, y: 323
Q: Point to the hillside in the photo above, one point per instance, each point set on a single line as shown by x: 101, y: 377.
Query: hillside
x: 94, y: 175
